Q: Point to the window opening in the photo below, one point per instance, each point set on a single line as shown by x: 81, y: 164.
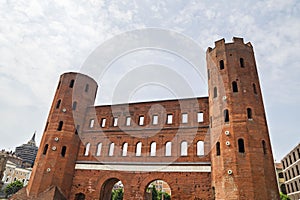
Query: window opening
x: 264, y: 147
x: 184, y: 148
x: 169, y: 119
x: 103, y: 122
x: 128, y: 121
x: 58, y: 104
x: 45, y: 149
x: 141, y: 120
x: 168, y: 149
x: 200, y: 148
x: 242, y: 62
x: 74, y: 105
x: 86, y: 89
x: 184, y: 118
x: 138, y: 150
x: 60, y: 125
x: 99, y: 148
x: 221, y: 64
x: 218, y: 149
x: 111, y: 149
x: 87, y: 149
x: 92, y: 121
x: 153, y: 149
x: 215, y: 92
x: 234, y: 86
x: 124, y: 149
x: 254, y: 88
x: 226, y: 115
x: 155, y: 119
x: 241, y: 145
x: 63, y: 151
x: 71, y: 83
x: 249, y: 113
x: 115, y: 121
x: 200, y: 117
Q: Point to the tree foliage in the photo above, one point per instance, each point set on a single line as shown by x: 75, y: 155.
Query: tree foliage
x: 13, y: 187
x: 284, y: 196
x: 117, y: 194
x: 163, y: 196
x: 154, y: 193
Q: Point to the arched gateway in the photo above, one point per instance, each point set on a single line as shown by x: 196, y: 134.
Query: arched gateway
x: 203, y: 147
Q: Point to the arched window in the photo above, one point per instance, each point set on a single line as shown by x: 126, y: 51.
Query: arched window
x: 234, y: 86
x: 215, y: 92
x: 74, y: 105
x: 254, y: 88
x: 249, y: 113
x: 111, y: 149
x: 60, y: 125
x: 71, y: 83
x: 221, y: 64
x: 87, y: 149
x: 264, y: 147
x: 86, y: 89
x: 241, y: 145
x: 45, y: 149
x: 153, y: 149
x: 184, y: 148
x: 58, y: 104
x: 63, y: 151
x: 168, y: 149
x: 226, y: 115
x: 218, y: 149
x: 200, y: 148
x: 124, y: 149
x: 99, y: 148
x: 79, y: 196
x: 138, y: 149
x: 242, y: 62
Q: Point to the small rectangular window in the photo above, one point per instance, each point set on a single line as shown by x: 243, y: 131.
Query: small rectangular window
x: 200, y: 117
x: 128, y: 120
x: 92, y: 121
x: 184, y: 118
x: 115, y: 122
x: 154, y: 119
x: 169, y: 119
x: 103, y: 122
x: 141, y: 120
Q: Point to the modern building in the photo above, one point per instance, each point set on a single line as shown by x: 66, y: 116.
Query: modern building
x: 27, y: 152
x: 280, y: 177
x: 214, y: 147
x: 291, y: 170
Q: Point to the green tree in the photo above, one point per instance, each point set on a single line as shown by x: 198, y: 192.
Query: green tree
x: 165, y: 195
x: 284, y: 196
x: 13, y: 187
x: 154, y: 193
x: 117, y: 194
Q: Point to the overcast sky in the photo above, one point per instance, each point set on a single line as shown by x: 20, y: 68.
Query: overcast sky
x: 39, y: 40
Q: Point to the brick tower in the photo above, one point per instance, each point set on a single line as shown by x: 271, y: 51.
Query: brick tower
x: 242, y: 161
x: 53, y: 172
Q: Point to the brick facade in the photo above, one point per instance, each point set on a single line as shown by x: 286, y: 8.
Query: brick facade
x: 198, y: 148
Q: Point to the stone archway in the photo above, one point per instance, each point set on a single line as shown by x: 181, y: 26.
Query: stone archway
x: 107, y: 187
x: 162, y: 188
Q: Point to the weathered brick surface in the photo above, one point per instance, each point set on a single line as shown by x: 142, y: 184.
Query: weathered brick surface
x: 253, y: 174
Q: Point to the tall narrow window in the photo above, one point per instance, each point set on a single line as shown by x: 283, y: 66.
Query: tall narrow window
x: 138, y: 149
x: 169, y: 119
x: 86, y: 89
x: 234, y: 86
x: 141, y: 120
x: 115, y: 121
x: 298, y: 150
x: 242, y: 62
x: 215, y: 92
x: 221, y: 64
x: 226, y: 115
x: 103, y: 122
x: 208, y: 74
x: 71, y: 83
x: 200, y: 148
x: 264, y: 147
x: 98, y: 150
x: 218, y: 149
x: 184, y: 148
x: 298, y: 172
x: 58, y: 104
x: 249, y: 113
x: 45, y: 149
x: 128, y: 121
x: 74, y: 105
x: 294, y: 156
x: 154, y: 119
x: 60, y: 125
x: 254, y: 88
x: 92, y: 121
x: 168, y: 149
x: 153, y: 149
x: 63, y: 151
x: 124, y: 149
x: 87, y: 149
x: 111, y: 149
x: 184, y: 118
x: 241, y: 145
x: 200, y: 117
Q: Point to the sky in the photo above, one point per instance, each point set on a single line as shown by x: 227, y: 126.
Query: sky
x: 40, y: 40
